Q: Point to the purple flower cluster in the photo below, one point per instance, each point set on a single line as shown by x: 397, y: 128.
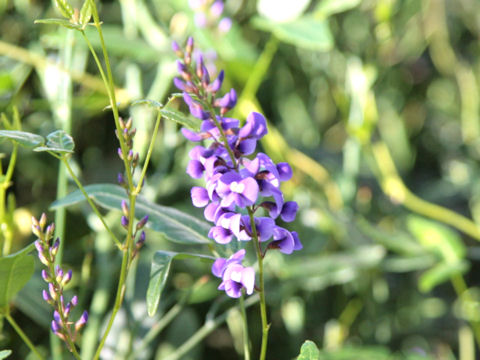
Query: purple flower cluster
x: 56, y: 279
x: 238, y: 184
x: 208, y: 13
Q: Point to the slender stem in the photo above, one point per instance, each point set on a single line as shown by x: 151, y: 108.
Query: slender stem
x: 246, y: 339
x: 110, y: 89
x: 123, y: 276
x: 118, y: 303
x: 261, y: 286
x: 149, y: 154
x: 461, y: 289
x: 24, y: 336
x: 394, y: 187
x: 6, y: 235
x: 62, y: 112
x: 206, y: 329
x: 90, y: 202
x: 158, y: 327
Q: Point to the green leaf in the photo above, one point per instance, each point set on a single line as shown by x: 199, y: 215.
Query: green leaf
x: 309, y: 351
x: 158, y: 275
x: 61, y: 22
x: 441, y: 273
x: 58, y: 141
x: 437, y: 238
x: 15, y: 271
x: 85, y: 12
x: 22, y: 138
x: 330, y: 7
x: 176, y: 225
x: 306, y: 32
x: 171, y: 114
x: 5, y: 353
x: 65, y: 9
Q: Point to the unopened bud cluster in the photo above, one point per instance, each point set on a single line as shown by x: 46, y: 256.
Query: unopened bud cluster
x: 127, y: 133
x: 137, y: 231
x: 57, y: 279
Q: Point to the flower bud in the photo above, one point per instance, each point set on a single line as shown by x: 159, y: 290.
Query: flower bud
x: 45, y: 276
x: 120, y: 153
x: 82, y: 321
x: 125, y: 208
x: 52, y: 291
x: 55, y: 247
x: 142, y: 222
x: 43, y: 221
x: 66, y: 278
x: 124, y: 222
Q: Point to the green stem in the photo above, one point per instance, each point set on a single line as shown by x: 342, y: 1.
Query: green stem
x: 246, y: 339
x: 261, y: 286
x: 206, y: 329
x: 110, y: 90
x: 461, y: 289
x: 24, y: 336
x: 6, y: 235
x: 123, y: 275
x: 393, y: 186
x: 158, y: 327
x: 149, y: 154
x: 90, y: 202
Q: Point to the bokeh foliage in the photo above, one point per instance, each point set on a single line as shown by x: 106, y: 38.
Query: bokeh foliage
x: 374, y: 103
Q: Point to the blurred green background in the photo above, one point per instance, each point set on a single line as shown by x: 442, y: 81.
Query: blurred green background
x: 375, y: 104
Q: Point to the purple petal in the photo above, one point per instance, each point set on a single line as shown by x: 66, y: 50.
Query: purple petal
x: 218, y: 267
x: 190, y: 135
x: 199, y: 196
x: 220, y: 235
x: 195, y: 169
x: 284, y: 171
x: 248, y: 279
x: 289, y: 211
x: 264, y: 227
x: 233, y: 289
x: 298, y: 245
x: 179, y: 84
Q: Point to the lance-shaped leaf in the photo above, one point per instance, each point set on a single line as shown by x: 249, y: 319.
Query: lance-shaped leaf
x: 64, y: 8
x: 159, y: 273
x: 172, y: 114
x: 176, y: 225
x: 60, y: 22
x: 15, y: 271
x: 85, y: 12
x: 309, y: 351
x: 5, y: 353
x: 22, y: 138
x: 58, y: 141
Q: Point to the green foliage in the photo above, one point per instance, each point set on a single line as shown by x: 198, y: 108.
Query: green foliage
x: 160, y: 269
x: 64, y: 8
x: 5, y: 353
x: 58, y: 142
x: 23, y: 138
x: 176, y: 225
x: 172, y: 114
x: 61, y: 22
x: 309, y: 351
x: 15, y: 271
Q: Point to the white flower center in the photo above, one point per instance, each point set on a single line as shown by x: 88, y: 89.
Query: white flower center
x: 237, y: 187
x: 236, y: 276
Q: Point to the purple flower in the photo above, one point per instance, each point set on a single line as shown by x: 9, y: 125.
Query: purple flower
x: 233, y: 189
x: 285, y: 240
x: 234, y: 184
x: 235, y: 276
